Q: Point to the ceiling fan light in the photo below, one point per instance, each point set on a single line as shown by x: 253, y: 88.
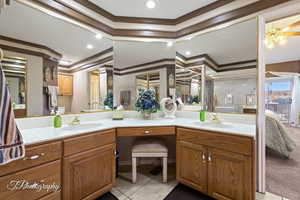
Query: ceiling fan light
x: 286, y: 29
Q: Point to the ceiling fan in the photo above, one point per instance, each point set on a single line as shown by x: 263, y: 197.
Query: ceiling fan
x: 279, y: 35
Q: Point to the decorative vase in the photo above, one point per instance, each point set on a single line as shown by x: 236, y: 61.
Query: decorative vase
x: 147, y: 115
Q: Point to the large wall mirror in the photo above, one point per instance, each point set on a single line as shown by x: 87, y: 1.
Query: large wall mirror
x: 15, y: 74
x: 142, y: 65
x: 217, y: 71
x: 58, y: 63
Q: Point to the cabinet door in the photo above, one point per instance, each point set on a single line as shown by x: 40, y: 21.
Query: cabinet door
x: 229, y: 175
x: 89, y: 174
x: 192, y: 165
x: 68, y: 85
x: 60, y: 84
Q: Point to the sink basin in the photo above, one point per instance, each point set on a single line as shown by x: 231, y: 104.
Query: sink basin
x: 214, y: 125
x: 81, y: 126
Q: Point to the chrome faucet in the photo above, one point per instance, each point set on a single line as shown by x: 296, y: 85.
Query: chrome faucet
x: 75, y: 121
x: 214, y: 118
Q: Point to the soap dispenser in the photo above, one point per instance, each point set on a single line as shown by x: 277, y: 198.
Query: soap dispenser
x: 202, y: 114
x: 57, y: 120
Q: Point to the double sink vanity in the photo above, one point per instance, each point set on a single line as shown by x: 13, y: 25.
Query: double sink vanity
x: 215, y: 159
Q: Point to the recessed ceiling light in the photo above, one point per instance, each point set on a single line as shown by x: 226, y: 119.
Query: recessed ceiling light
x: 187, y: 53
x: 151, y: 4
x: 169, y: 44
x: 99, y: 36
x: 89, y: 46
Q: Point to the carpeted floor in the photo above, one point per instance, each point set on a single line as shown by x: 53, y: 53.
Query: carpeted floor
x: 283, y: 175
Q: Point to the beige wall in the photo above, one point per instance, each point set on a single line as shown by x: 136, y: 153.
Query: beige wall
x: 34, y: 82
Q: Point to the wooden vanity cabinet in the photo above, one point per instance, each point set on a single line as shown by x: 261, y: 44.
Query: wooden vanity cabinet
x: 191, y: 165
x: 89, y: 173
x: 41, y: 164
x: 216, y: 164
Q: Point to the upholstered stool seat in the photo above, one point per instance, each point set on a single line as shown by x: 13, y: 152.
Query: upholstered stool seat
x: 149, y: 147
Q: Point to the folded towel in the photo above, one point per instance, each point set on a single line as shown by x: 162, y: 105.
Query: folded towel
x: 11, y: 143
x: 52, y: 94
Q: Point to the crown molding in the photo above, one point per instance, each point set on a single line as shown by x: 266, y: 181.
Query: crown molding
x: 205, y: 59
x: 61, y: 8
x: 20, y: 46
x: 90, y: 59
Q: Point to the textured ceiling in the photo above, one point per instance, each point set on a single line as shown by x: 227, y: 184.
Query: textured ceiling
x: 164, y: 8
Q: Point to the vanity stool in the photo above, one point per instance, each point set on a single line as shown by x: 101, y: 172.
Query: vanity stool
x: 149, y: 147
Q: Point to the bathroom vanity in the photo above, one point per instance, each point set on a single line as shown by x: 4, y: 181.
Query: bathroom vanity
x: 81, y: 160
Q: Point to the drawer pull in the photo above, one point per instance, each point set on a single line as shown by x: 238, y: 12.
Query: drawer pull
x: 147, y: 132
x: 209, y: 158
x: 34, y: 157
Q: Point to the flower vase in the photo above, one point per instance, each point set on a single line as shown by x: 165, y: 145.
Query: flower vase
x: 147, y: 115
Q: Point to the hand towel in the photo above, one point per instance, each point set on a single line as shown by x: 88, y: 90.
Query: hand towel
x: 11, y: 143
x: 52, y: 93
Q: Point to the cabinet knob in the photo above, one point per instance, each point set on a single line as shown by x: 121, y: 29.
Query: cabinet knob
x: 209, y: 158
x: 203, y: 157
x: 147, y: 132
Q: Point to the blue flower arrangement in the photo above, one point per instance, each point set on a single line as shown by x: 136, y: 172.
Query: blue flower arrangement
x: 109, y: 100
x: 146, y: 102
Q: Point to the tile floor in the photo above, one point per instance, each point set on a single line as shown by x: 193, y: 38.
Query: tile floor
x: 150, y: 187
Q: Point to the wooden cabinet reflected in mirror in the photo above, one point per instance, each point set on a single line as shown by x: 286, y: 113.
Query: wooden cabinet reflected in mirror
x: 15, y: 73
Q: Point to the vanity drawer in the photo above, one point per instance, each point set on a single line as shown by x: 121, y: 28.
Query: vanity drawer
x: 90, y: 141
x: 146, y: 131
x: 47, y: 174
x: 34, y: 156
x: 233, y: 143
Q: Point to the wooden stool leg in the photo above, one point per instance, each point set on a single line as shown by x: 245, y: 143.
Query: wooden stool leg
x: 165, y: 169
x: 134, y: 171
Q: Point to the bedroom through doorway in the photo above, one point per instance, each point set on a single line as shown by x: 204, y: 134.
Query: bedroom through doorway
x: 282, y: 104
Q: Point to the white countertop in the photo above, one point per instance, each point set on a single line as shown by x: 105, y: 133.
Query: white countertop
x: 36, y: 135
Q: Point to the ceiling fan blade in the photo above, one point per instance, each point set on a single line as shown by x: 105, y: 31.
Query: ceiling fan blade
x: 287, y: 34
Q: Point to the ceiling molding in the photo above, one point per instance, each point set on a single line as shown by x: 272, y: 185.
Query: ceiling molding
x: 157, y: 67
x: 145, y: 64
x: 141, y: 20
x: 205, y: 59
x: 149, y: 66
x: 28, y: 48
x: 62, y: 9
x: 103, y: 61
x: 237, y: 63
x: 91, y: 58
